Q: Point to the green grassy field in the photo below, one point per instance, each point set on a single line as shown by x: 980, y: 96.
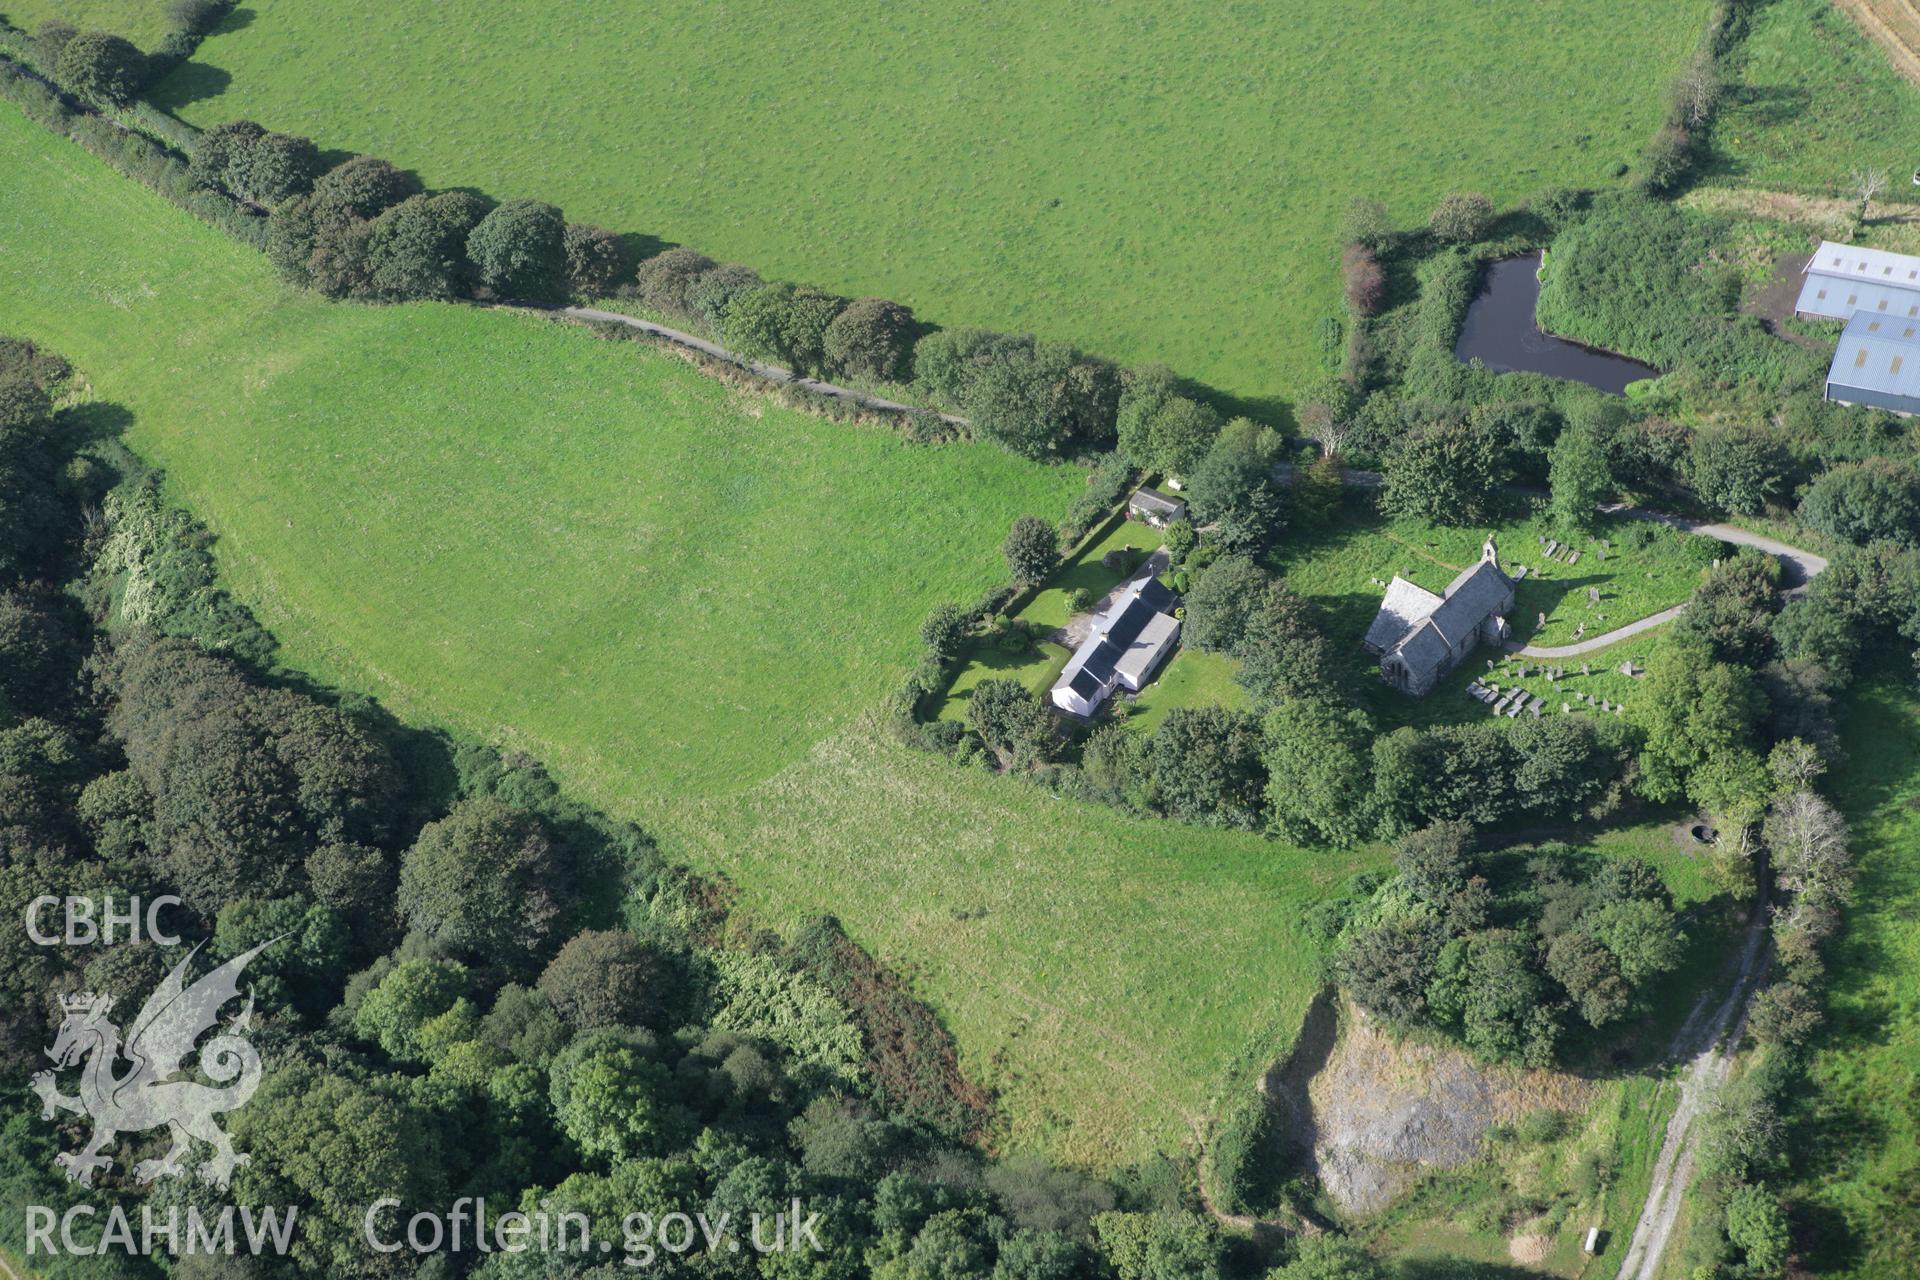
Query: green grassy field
x: 1858, y: 1132
x: 686, y: 600
x: 1814, y: 99
x: 142, y: 21
x: 1151, y: 182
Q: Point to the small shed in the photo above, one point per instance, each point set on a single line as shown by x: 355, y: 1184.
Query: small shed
x: 1155, y: 508
x: 1877, y: 363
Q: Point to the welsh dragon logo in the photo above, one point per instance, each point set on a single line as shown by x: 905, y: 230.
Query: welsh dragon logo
x: 147, y: 1094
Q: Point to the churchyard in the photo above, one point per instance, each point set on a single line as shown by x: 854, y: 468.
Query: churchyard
x: 1582, y: 585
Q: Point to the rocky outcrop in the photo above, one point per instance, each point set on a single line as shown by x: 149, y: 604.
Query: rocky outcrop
x: 1375, y: 1114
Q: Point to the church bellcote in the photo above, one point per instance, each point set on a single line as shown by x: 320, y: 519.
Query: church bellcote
x: 1490, y: 554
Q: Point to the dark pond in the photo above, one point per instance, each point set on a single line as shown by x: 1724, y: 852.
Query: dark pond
x: 1500, y: 333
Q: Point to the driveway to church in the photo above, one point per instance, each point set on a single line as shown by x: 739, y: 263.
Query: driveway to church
x: 1802, y: 567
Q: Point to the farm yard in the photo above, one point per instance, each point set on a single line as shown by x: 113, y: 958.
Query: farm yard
x: 1150, y: 183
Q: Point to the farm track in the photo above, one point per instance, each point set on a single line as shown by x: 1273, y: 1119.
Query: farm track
x: 1894, y: 25
x: 760, y: 369
x: 1708, y: 1043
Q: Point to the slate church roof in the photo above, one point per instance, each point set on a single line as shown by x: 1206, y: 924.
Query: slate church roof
x: 1406, y: 606
x: 1425, y: 632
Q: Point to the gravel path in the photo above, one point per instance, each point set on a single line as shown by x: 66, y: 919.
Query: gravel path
x: 1802, y: 566
x: 1709, y: 1042
x: 1614, y: 636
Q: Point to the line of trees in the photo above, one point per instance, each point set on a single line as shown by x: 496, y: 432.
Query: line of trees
x: 109, y: 70
x: 365, y: 230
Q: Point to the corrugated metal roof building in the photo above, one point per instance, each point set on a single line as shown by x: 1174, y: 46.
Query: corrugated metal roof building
x: 1844, y: 278
x: 1877, y: 363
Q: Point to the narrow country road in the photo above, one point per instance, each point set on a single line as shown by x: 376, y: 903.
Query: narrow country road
x: 771, y: 372
x: 1707, y: 1043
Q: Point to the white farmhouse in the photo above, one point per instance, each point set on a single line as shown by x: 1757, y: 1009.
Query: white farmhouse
x: 1129, y: 641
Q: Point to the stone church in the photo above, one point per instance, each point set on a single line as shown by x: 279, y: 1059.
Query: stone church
x: 1421, y: 636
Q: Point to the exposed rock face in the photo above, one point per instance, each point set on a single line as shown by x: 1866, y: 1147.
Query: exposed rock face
x: 1379, y: 1113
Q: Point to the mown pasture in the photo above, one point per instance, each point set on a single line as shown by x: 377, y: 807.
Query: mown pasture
x: 1150, y: 182
x: 142, y: 21
x: 687, y: 600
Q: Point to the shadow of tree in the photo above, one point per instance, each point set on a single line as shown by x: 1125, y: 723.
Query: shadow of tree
x: 192, y: 81
x: 94, y: 421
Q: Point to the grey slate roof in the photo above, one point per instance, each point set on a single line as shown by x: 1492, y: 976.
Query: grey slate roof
x: 1406, y: 606
x: 1084, y: 683
x: 1877, y: 355
x: 1425, y: 650
x: 1146, y: 648
x: 1154, y: 500
x: 1126, y: 639
x: 1477, y: 594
